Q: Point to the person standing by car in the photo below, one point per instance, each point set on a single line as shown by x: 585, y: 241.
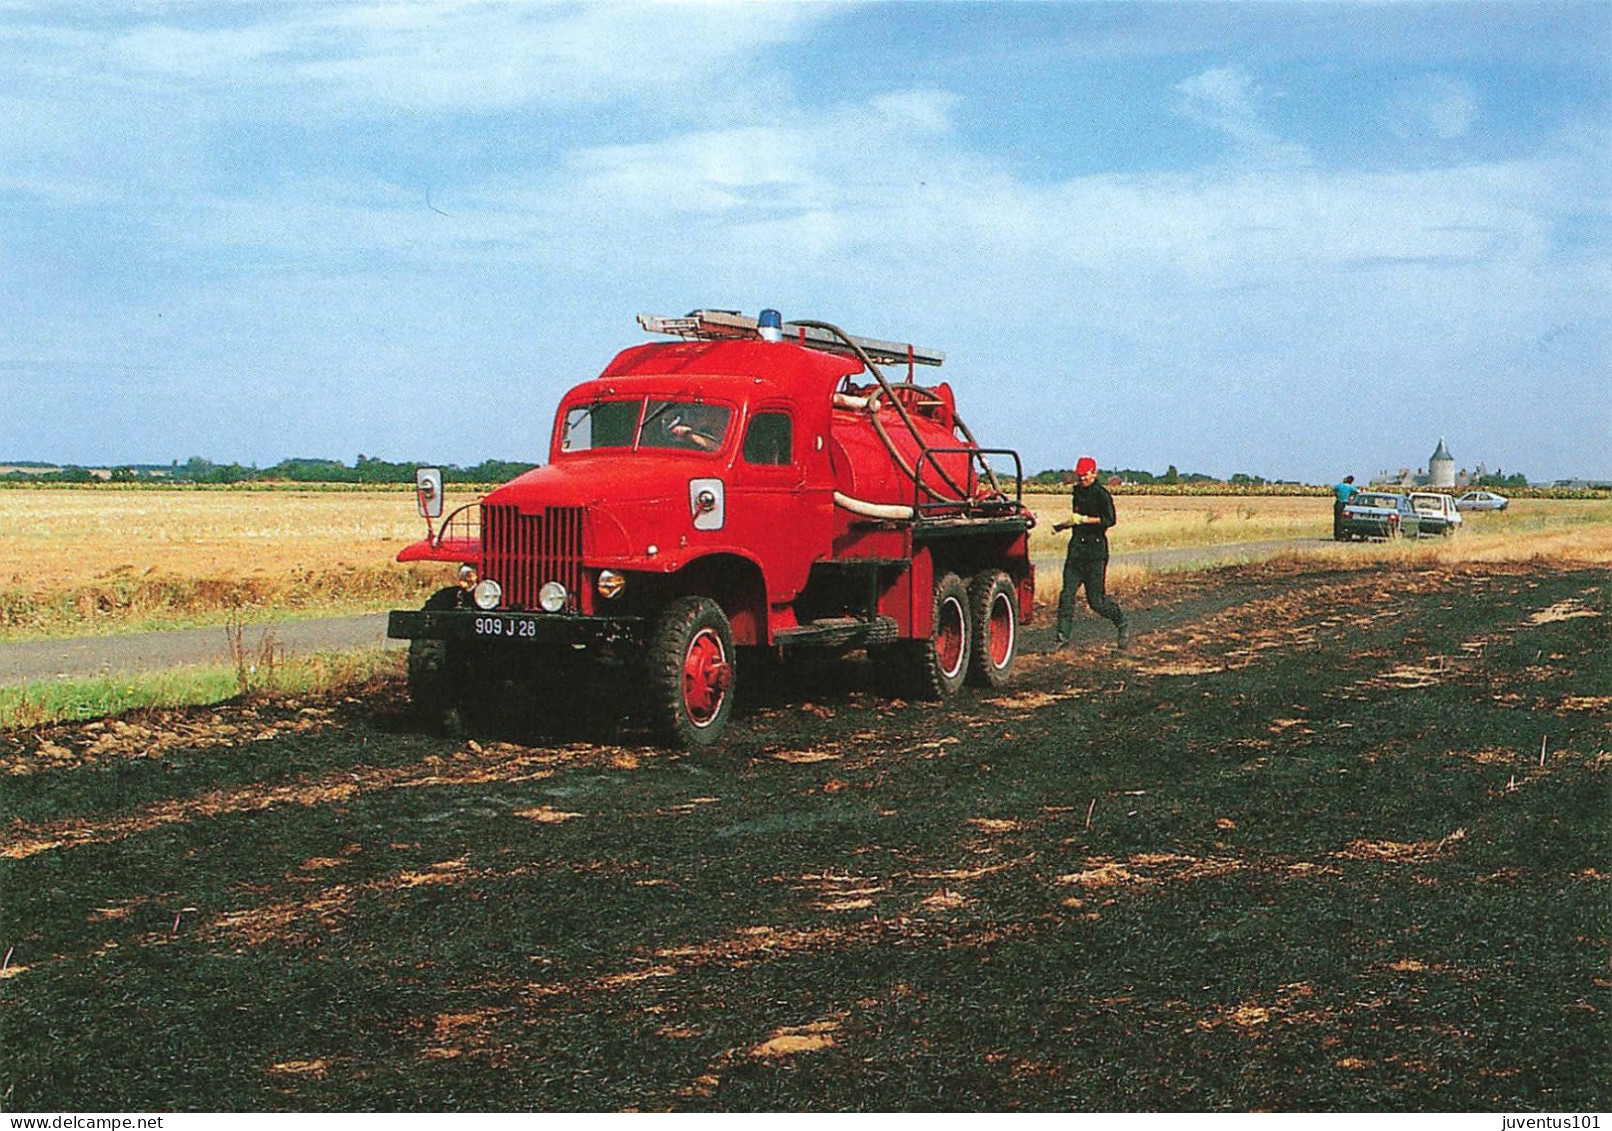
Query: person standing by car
x: 1086, y: 561
x: 1341, y: 494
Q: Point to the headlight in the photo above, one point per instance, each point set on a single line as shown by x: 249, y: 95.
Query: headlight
x: 551, y: 598
x: 468, y: 576
x: 487, y: 594
x: 611, y: 584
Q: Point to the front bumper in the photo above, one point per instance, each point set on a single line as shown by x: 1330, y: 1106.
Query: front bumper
x: 514, y: 628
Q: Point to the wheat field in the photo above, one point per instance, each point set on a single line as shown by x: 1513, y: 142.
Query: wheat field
x: 78, y: 560
x: 96, y: 559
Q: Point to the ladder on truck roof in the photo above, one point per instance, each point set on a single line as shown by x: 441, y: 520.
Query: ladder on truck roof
x: 713, y: 325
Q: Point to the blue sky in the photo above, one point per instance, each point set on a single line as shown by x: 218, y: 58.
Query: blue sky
x: 1288, y: 239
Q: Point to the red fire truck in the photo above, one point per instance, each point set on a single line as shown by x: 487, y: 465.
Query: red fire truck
x: 756, y: 485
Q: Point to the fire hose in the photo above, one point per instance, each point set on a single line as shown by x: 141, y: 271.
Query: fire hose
x: 889, y: 511
x: 872, y: 403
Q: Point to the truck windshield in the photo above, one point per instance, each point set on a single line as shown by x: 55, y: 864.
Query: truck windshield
x: 685, y: 425
x: 602, y: 424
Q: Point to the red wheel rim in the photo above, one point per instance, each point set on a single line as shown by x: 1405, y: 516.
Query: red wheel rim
x: 999, y: 630
x: 949, y: 640
x: 706, y: 677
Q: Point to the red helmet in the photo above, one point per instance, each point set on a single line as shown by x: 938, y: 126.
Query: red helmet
x: 1085, y: 465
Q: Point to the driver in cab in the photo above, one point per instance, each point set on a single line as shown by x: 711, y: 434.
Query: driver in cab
x: 698, y: 427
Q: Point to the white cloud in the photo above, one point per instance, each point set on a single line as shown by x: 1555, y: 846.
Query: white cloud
x: 1439, y: 107
x: 471, y: 54
x: 1231, y: 101
x: 890, y: 188
x: 1194, y: 305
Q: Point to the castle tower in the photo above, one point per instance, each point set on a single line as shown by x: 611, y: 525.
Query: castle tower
x: 1441, y: 467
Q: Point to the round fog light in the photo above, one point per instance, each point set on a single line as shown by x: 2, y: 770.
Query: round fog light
x: 611, y: 583
x: 487, y: 594
x: 551, y: 598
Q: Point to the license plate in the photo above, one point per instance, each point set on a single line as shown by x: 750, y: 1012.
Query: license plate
x: 509, y: 628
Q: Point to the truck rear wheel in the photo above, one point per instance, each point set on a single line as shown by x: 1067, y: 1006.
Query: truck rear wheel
x: 993, y: 608
x: 691, y: 673
x: 936, y: 668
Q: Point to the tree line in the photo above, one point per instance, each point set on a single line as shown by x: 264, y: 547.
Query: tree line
x: 366, y: 469
x: 1170, y: 477
x: 370, y: 469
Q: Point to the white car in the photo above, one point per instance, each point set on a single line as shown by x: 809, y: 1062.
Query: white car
x: 1437, y: 512
x: 1481, y: 501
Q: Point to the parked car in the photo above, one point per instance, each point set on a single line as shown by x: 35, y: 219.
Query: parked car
x: 1379, y: 514
x: 1437, y: 512
x: 1481, y: 501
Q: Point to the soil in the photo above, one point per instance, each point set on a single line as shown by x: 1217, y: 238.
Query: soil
x: 1324, y: 839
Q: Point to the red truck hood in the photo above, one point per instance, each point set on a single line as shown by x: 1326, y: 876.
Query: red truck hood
x: 605, y: 481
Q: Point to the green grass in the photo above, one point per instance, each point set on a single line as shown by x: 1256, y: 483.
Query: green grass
x: 1298, y: 854
x: 45, y: 701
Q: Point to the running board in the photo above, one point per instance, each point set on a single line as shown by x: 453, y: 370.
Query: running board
x: 839, y: 632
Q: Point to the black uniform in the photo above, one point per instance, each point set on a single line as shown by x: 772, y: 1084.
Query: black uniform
x: 1086, y: 562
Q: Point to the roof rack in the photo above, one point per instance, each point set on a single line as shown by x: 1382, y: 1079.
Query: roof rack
x: 714, y: 325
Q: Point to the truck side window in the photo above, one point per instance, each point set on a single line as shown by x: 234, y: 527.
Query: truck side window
x: 768, y: 439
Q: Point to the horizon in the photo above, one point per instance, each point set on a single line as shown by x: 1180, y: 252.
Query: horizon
x: 1464, y: 475
x: 1292, y: 240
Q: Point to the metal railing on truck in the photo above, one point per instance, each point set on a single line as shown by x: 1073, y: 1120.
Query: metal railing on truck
x: 995, y: 505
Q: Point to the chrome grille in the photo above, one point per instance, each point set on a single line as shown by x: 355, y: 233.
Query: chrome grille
x: 523, y: 551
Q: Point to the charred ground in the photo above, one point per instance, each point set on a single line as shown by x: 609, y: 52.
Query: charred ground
x: 1328, y: 839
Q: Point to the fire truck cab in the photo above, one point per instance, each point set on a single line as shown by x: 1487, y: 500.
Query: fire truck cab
x: 753, y: 485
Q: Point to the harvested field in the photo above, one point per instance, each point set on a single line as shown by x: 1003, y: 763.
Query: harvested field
x: 81, y: 560
x: 1331, y: 839
x: 84, y: 560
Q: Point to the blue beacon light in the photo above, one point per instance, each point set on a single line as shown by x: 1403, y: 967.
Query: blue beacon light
x: 771, y: 325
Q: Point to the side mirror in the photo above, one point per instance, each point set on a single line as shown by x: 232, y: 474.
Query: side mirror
x: 428, y: 491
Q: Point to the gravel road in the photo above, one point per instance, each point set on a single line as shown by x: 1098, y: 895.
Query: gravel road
x: 91, y: 656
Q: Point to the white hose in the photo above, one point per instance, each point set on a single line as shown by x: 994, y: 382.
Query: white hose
x: 873, y: 510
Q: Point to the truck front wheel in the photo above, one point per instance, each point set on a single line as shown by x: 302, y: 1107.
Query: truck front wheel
x: 993, y: 606
x: 691, y: 673
x: 437, y: 675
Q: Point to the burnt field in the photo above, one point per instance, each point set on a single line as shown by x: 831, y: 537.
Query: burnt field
x: 1327, y: 839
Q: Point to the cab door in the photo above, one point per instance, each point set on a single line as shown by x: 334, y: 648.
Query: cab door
x: 772, y: 513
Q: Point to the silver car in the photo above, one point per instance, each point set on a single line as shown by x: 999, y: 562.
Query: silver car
x: 1481, y: 501
x: 1378, y: 514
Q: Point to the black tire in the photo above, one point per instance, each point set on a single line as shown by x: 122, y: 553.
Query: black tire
x: 691, y: 676
x: 436, y: 672
x: 993, y: 616
x: 936, y: 668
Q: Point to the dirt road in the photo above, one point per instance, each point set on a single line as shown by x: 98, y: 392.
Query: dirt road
x: 88, y: 657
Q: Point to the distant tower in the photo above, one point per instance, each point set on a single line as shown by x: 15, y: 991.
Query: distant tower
x: 1441, y: 467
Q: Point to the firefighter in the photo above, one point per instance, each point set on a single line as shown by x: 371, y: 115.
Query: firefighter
x: 1086, y: 562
